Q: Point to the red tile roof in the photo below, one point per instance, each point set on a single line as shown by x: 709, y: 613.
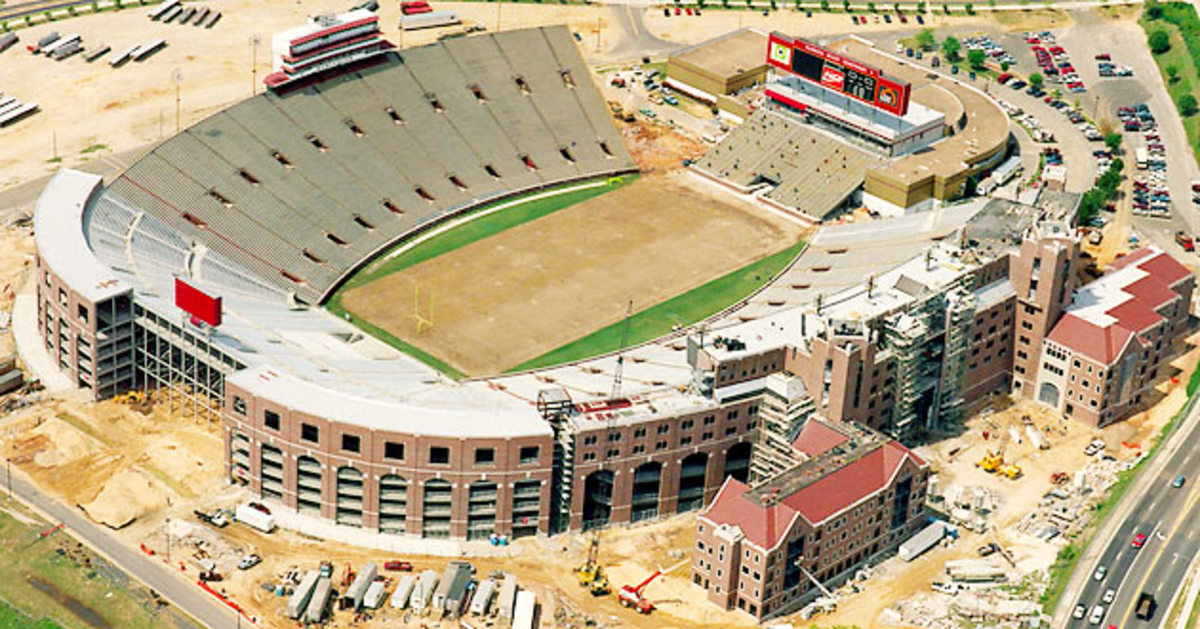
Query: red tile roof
x: 1154, y: 261
x: 1101, y: 344
x: 816, y: 437
x: 1134, y: 315
x: 1151, y: 291
x: 829, y: 495
x: 1132, y: 257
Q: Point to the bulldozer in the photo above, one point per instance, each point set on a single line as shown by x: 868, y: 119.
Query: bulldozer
x: 591, y: 575
x: 1011, y: 471
x: 991, y: 462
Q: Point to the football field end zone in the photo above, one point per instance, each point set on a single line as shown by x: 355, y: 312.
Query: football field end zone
x: 484, y: 222
x: 682, y: 310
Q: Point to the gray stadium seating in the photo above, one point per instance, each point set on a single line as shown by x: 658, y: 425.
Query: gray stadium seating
x: 301, y: 188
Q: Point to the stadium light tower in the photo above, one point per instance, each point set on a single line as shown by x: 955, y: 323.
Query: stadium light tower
x: 255, y: 40
x: 177, y: 78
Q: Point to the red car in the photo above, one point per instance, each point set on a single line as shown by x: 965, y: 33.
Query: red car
x: 258, y: 506
x: 398, y: 566
x: 1104, y: 56
x: 1139, y: 540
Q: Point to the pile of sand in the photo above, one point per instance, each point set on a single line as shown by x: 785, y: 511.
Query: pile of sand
x: 126, y: 496
x: 66, y: 444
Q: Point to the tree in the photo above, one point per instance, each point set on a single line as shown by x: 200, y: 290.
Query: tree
x: 946, y: 9
x: 925, y: 39
x: 825, y: 5
x: 970, y: 8
x: 1153, y: 10
x: 1173, y: 72
x: 920, y: 7
x: 976, y: 58
x: 1036, y: 79
x: 846, y: 5
x: 1113, y: 141
x: 1004, y: 66
x: 1187, y: 104
x: 950, y: 48
x: 1160, y: 42
x: 871, y: 7
x: 896, y: 7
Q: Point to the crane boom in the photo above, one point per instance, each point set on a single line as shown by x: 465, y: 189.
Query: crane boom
x: 617, y: 375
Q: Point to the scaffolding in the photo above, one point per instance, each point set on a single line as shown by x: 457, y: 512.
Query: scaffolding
x: 960, y: 315
x: 785, y: 408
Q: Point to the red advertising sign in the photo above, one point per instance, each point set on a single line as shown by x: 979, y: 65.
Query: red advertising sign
x: 837, y: 72
x: 197, y: 303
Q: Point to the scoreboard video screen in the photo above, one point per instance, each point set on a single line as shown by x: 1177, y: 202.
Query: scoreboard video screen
x: 838, y: 73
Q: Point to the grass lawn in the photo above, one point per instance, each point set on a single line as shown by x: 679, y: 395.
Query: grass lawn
x: 460, y: 236
x: 684, y: 309
x: 71, y: 584
x: 1188, y: 80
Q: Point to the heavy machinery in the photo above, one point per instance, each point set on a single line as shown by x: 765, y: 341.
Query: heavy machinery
x: 991, y: 461
x: 631, y: 595
x: 1012, y: 471
x: 591, y: 575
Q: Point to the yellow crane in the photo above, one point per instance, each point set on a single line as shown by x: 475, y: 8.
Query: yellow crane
x: 591, y: 575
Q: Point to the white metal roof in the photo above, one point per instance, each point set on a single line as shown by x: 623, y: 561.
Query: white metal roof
x: 58, y: 227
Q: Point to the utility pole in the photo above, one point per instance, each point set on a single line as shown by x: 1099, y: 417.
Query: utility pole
x: 8, y: 475
x: 168, y: 531
x: 177, y: 77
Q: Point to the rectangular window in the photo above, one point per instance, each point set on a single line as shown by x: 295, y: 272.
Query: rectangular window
x: 311, y: 433
x: 529, y: 455
x: 485, y: 456
x: 393, y: 450
x: 239, y: 405
x: 271, y: 420
x: 439, y: 455
x: 83, y: 313
x: 351, y: 443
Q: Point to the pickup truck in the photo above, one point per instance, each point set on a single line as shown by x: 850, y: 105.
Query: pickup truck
x: 1145, y: 606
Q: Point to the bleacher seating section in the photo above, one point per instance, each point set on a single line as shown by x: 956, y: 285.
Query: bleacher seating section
x: 806, y: 169
x: 304, y: 187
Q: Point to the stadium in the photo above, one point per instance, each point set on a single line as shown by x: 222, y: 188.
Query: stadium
x: 236, y: 266
x: 427, y: 292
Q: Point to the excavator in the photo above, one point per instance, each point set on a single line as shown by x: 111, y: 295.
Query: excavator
x: 631, y: 595
x: 591, y: 575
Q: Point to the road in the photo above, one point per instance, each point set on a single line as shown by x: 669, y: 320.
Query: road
x: 21, y: 198
x: 1167, y: 516
x: 151, y: 572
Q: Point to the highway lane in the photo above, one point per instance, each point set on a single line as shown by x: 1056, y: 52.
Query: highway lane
x: 1167, y: 515
x: 152, y: 572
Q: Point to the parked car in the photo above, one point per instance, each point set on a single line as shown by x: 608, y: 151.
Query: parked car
x: 249, y: 561
x: 396, y: 565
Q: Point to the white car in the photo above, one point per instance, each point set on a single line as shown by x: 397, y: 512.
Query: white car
x: 945, y: 588
x: 1109, y: 595
x: 1100, y: 572
x: 1097, y: 615
x: 1078, y: 612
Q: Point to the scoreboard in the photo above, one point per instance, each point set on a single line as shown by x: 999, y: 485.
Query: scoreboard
x: 839, y: 73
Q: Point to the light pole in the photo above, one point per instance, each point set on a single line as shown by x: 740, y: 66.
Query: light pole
x: 177, y: 77
x: 255, y: 40
x: 8, y: 474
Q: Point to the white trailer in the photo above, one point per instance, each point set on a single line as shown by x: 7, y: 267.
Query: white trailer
x: 1037, y: 438
x: 201, y: 15
x: 162, y: 9
x: 62, y: 52
x: 298, y: 602
x: 122, y: 56
x: 508, y: 596
x: 8, y: 40
x: 524, y: 613
x: 171, y: 14
x: 423, y: 591
x: 18, y: 113
x: 483, y: 597
x: 59, y: 43
x: 319, y: 601
x: 96, y: 52
x: 927, y: 538
x: 433, y: 19
x: 353, y: 598
x: 403, y: 591
x: 254, y: 518
x: 374, y: 596
x: 147, y: 49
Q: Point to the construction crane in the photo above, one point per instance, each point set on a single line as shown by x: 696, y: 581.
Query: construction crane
x: 617, y: 375
x: 591, y: 575
x: 631, y: 595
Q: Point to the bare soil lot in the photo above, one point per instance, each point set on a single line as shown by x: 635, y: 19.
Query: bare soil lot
x: 516, y: 295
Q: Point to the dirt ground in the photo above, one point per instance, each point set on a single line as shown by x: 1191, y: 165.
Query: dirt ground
x: 565, y: 275
x: 656, y: 148
x: 119, y: 465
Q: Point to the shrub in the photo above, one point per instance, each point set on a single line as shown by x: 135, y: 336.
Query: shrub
x: 1154, y: 10
x: 1187, y: 104
x: 1160, y: 42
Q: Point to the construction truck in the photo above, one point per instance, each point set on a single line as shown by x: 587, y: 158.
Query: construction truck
x: 591, y: 575
x: 632, y: 595
x: 991, y: 462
